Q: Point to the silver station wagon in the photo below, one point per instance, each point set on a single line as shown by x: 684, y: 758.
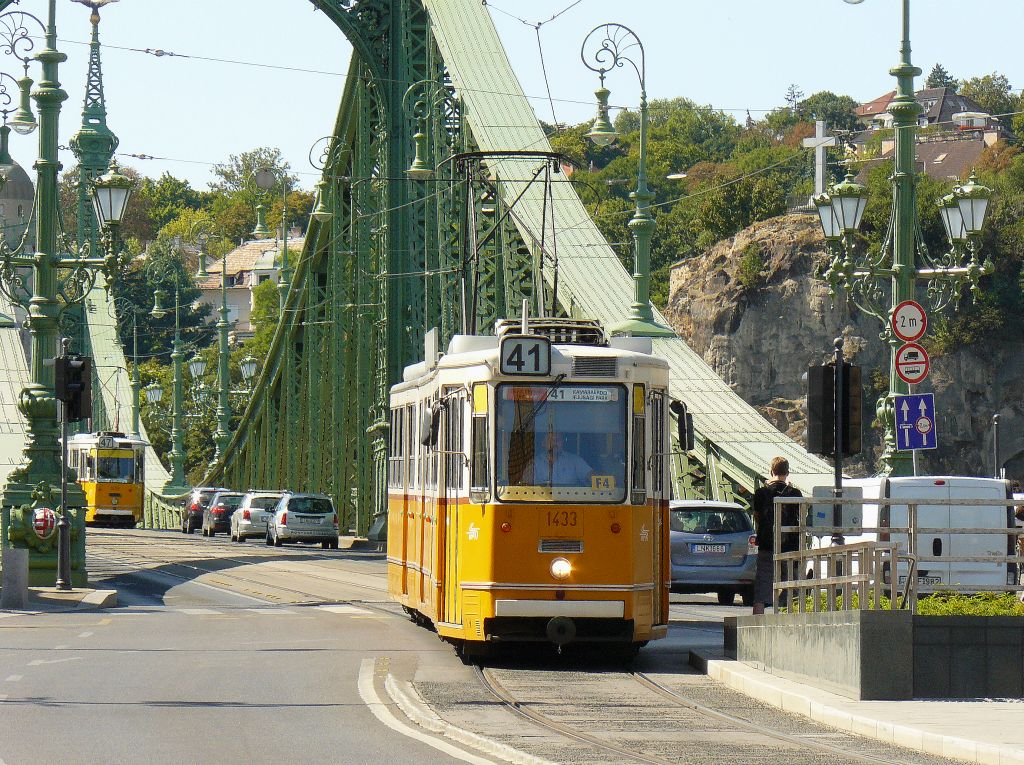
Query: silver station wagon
x: 250, y: 519
x: 303, y: 518
x: 714, y: 549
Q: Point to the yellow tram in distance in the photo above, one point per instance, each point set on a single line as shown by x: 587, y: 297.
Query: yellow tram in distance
x: 529, y: 486
x: 111, y: 469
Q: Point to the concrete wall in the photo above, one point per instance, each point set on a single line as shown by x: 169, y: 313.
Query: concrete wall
x: 858, y: 654
x: 968, y: 656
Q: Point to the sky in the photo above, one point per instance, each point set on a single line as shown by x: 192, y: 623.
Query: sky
x: 278, y: 76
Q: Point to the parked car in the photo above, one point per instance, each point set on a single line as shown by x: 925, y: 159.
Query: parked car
x: 304, y: 518
x: 934, y: 575
x: 217, y: 516
x: 713, y: 548
x: 194, y: 505
x: 250, y: 518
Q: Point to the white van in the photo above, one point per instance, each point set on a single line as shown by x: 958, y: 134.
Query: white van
x: 934, y: 575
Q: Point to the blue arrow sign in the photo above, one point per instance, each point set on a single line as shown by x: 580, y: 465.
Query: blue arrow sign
x: 915, y: 422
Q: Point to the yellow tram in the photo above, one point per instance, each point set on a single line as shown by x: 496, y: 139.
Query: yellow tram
x: 110, y: 468
x: 528, y: 487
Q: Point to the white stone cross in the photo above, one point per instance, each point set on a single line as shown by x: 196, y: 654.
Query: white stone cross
x: 819, y: 142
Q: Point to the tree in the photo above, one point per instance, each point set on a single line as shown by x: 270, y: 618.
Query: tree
x: 940, y: 78
x: 793, y: 95
x: 836, y: 111
x: 168, y: 197
x: 994, y: 94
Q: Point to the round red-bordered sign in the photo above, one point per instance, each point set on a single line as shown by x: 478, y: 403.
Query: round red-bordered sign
x: 909, y: 321
x: 44, y: 522
x: 912, y: 363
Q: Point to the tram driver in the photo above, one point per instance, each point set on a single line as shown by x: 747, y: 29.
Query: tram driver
x: 555, y: 465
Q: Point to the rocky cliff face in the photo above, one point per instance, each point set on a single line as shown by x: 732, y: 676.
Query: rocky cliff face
x: 752, y: 307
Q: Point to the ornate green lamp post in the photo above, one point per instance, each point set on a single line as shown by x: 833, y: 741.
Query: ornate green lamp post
x: 265, y: 179
x: 615, y: 44
x: 154, y: 393
x: 879, y: 281
x: 202, y: 235
x: 58, y: 280
x: 121, y: 309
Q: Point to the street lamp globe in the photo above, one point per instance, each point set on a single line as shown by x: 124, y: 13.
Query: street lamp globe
x: 24, y: 122
x: 952, y: 219
x: 849, y: 199
x: 247, y: 367
x: 827, y: 213
x: 153, y: 393
x: 197, y: 366
x: 973, y: 198
x: 158, y: 311
x: 602, y: 133
x: 110, y: 195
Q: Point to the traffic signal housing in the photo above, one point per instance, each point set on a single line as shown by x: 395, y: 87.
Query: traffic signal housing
x: 821, y: 387
x: 73, y: 386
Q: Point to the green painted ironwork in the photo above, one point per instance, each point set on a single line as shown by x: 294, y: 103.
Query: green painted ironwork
x: 389, y: 262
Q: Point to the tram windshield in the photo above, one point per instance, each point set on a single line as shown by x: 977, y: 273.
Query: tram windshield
x: 561, y: 443
x: 116, y: 468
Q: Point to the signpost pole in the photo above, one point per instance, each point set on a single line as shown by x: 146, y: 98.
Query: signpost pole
x: 837, y: 489
x: 995, y: 446
x: 63, y: 524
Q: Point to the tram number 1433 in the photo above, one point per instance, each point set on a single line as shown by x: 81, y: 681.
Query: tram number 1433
x: 565, y: 518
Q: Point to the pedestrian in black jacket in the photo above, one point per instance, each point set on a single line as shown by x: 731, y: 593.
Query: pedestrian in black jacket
x: 764, y: 519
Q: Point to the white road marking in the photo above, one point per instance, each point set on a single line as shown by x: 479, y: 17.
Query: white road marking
x: 60, y: 648
x: 200, y: 611
x: 3, y: 697
x: 343, y: 609
x: 40, y: 662
x: 13, y: 678
x: 85, y: 635
x: 270, y: 611
x: 368, y: 693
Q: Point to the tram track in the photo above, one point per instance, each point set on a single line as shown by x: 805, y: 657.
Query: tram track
x: 659, y: 725
x: 162, y: 558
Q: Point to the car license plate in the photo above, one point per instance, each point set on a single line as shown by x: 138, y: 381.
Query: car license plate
x: 923, y: 580
x: 701, y: 548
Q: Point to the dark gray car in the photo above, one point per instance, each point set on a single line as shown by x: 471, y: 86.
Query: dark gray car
x: 714, y: 549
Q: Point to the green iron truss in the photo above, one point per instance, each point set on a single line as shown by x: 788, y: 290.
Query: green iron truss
x: 391, y: 262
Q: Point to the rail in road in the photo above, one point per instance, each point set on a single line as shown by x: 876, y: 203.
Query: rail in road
x: 569, y: 709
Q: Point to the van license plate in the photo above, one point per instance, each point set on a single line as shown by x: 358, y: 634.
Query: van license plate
x: 928, y: 580
x: 709, y: 548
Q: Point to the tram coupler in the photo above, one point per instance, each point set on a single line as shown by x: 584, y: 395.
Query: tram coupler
x: 561, y: 630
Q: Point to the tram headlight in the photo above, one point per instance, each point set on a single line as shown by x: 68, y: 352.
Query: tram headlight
x: 561, y: 568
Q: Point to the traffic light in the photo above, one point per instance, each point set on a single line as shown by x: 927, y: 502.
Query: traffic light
x: 821, y: 384
x: 73, y: 386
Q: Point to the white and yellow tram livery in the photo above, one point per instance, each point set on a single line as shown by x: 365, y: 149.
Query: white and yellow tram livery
x: 528, y: 487
x: 111, y: 468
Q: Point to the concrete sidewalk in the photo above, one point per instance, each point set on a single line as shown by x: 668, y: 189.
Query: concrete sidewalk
x: 982, y: 731
x: 51, y: 599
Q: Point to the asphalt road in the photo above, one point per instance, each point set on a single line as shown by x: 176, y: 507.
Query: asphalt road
x: 226, y: 653
x: 215, y: 667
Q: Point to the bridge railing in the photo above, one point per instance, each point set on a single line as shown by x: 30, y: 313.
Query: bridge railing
x: 891, y: 556
x: 162, y: 512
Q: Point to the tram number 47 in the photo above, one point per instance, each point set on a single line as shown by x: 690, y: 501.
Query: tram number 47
x: 525, y: 356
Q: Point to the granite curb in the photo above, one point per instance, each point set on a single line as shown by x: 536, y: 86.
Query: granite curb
x: 788, y: 696
x: 404, y: 695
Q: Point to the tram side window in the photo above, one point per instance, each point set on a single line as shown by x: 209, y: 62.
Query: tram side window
x: 88, y: 473
x: 658, y: 466
x: 431, y: 455
x: 414, y: 447
x: 479, y: 483
x: 639, y: 472
x: 140, y: 466
x: 456, y: 424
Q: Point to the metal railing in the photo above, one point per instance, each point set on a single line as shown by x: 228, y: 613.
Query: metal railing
x: 871, y: 569
x: 160, y: 512
x: 849, y: 577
